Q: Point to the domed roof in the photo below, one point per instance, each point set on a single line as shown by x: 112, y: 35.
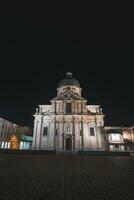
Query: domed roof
x: 69, y: 80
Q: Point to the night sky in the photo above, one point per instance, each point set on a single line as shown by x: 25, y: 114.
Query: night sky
x: 40, y: 43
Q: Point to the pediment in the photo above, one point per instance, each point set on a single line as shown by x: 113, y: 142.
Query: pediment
x: 68, y: 95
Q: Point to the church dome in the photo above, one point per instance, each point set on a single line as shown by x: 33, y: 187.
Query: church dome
x: 69, y: 80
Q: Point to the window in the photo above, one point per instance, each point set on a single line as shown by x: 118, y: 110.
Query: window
x: 116, y: 137
x: 45, y: 131
x: 56, y: 132
x: 2, y: 126
x: 91, y: 131
x: 2, y: 134
x: 68, y: 108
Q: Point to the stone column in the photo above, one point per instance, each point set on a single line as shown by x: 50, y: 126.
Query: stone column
x: 53, y: 107
x: 41, y: 133
x: 97, y: 136
x: 39, y: 128
x: 73, y: 133
x: 35, y: 134
x: 60, y: 135
x: 82, y: 134
x: 79, y: 107
x: 61, y: 107
x: 75, y: 107
x: 65, y: 108
x: 84, y: 110
x: 56, y: 107
x: 57, y: 125
x: 52, y: 136
x: 85, y: 136
x: 63, y: 142
x: 77, y: 136
x: 100, y: 136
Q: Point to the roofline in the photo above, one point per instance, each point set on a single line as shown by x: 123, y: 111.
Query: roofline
x: 8, y: 121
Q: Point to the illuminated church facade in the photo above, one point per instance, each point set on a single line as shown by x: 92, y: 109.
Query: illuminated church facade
x: 69, y: 124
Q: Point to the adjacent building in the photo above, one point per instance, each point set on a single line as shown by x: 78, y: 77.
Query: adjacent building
x: 9, y: 139
x: 119, y: 138
x: 7, y: 129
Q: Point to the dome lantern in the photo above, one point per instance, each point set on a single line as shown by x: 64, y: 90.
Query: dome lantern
x: 69, y: 74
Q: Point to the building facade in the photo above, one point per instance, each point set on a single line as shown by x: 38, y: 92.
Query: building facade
x: 119, y: 138
x: 68, y: 123
x: 9, y: 138
x: 7, y: 129
x: 26, y: 142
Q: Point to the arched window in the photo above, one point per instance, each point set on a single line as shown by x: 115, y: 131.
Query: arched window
x: 68, y: 108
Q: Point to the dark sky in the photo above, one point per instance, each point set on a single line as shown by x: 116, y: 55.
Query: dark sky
x: 40, y: 43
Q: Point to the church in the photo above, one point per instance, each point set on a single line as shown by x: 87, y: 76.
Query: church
x: 69, y: 123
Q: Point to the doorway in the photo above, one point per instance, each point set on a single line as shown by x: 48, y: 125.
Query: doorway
x: 68, y: 146
x: 117, y: 147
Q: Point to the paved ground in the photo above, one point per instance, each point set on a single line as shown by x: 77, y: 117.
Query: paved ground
x: 41, y: 177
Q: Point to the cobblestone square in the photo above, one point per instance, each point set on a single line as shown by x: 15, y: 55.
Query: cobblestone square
x: 59, y: 177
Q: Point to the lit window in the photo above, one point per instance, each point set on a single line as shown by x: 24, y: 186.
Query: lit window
x: 2, y: 145
x: 116, y: 137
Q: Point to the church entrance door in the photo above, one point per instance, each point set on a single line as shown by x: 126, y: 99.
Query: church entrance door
x: 68, y: 146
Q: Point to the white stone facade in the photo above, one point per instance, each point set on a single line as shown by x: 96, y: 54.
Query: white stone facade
x: 68, y: 123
